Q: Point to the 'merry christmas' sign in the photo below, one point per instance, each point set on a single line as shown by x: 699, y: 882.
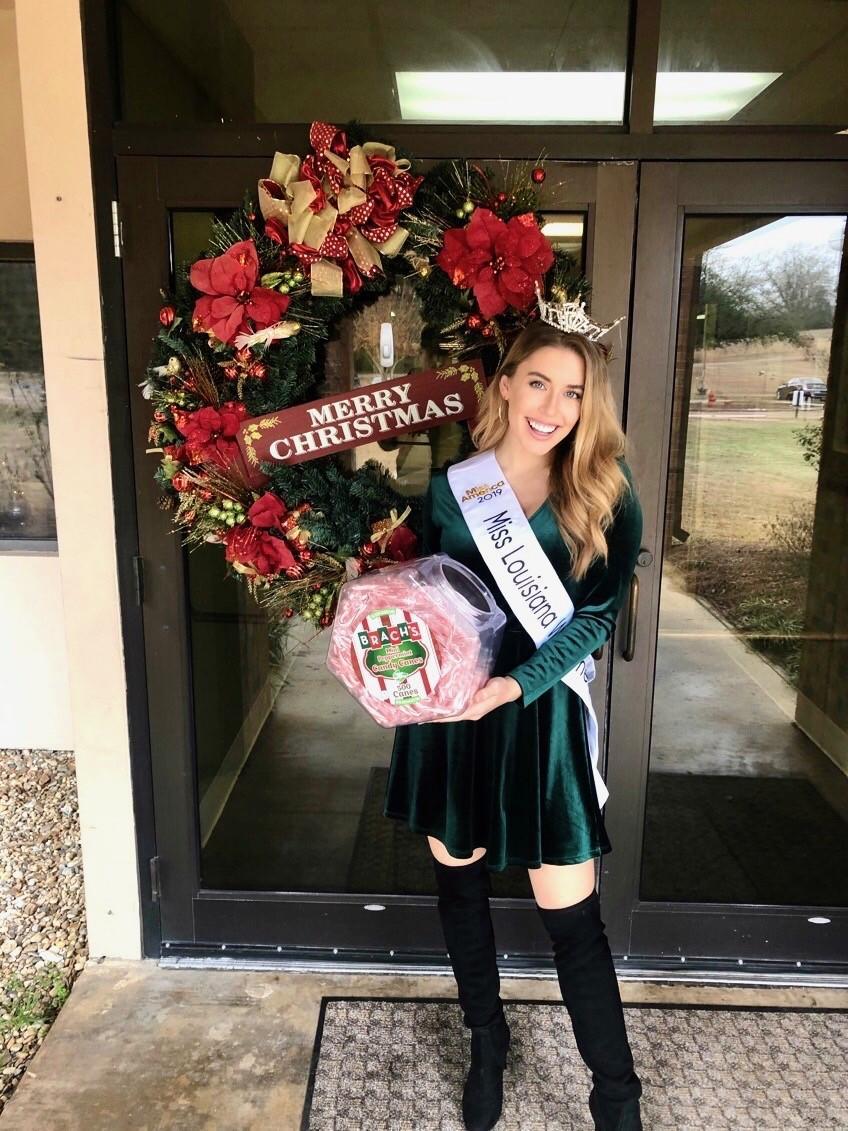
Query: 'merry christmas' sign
x: 376, y: 412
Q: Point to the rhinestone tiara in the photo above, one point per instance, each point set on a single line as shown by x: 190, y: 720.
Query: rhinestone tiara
x: 571, y: 317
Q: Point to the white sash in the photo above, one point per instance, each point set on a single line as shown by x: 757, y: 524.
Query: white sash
x: 523, y: 572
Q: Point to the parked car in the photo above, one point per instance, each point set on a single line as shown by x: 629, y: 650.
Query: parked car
x: 812, y: 387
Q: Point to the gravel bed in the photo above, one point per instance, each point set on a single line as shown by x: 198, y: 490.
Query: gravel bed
x: 43, y: 938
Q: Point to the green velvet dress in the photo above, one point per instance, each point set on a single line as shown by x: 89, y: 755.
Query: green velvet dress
x: 519, y: 780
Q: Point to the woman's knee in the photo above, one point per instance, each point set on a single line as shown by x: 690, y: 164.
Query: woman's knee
x: 562, y: 885
x: 444, y: 857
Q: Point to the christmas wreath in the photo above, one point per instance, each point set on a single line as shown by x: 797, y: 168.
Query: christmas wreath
x: 244, y: 332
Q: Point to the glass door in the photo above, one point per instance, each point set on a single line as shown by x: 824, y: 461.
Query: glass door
x: 268, y: 779
x: 729, y: 716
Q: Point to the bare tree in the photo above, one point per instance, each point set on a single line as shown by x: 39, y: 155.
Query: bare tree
x: 797, y: 288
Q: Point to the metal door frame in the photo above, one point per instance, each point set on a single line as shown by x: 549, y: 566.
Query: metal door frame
x: 703, y: 936
x: 322, y: 926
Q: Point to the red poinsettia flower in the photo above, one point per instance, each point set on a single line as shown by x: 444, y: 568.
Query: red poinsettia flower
x: 209, y: 432
x: 500, y: 261
x: 267, y: 511
x: 232, y: 413
x: 255, y: 552
x: 232, y: 303
x: 176, y: 451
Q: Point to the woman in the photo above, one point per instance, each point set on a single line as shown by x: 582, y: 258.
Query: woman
x: 510, y: 780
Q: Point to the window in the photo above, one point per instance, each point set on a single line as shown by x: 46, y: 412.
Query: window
x: 26, y: 481
x: 223, y: 61
x: 765, y: 62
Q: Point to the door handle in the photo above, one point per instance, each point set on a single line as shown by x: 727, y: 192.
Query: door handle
x: 629, y: 650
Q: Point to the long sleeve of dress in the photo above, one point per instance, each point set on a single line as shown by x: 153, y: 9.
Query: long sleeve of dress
x: 594, y: 617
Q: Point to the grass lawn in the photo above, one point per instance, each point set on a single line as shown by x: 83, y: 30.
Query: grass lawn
x: 742, y: 474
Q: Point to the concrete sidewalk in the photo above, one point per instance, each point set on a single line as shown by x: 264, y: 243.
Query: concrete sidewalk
x: 139, y: 1047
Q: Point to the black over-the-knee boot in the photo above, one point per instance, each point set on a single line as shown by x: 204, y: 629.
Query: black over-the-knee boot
x: 470, y: 938
x: 590, y: 991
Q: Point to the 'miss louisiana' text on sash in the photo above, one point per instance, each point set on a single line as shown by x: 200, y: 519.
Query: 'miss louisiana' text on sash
x: 529, y: 586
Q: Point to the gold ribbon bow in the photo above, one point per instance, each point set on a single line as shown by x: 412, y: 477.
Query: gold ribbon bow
x: 382, y: 529
x: 312, y: 228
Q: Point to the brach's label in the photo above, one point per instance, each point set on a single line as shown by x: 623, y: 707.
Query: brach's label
x: 411, y: 645
x: 396, y: 655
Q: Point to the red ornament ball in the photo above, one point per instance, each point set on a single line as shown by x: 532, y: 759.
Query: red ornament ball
x: 487, y: 331
x: 538, y: 175
x: 474, y: 321
x: 307, y: 555
x: 500, y: 198
x: 368, y: 549
x: 167, y: 314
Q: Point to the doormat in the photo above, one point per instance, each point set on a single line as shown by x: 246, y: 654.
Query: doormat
x: 746, y: 839
x: 399, y: 1064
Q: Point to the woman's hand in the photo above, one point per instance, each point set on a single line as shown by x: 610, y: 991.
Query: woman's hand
x: 499, y: 690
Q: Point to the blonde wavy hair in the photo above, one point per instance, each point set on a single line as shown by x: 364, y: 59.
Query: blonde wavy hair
x: 586, y: 481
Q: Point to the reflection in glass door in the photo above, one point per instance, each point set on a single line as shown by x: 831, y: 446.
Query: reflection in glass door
x: 747, y: 793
